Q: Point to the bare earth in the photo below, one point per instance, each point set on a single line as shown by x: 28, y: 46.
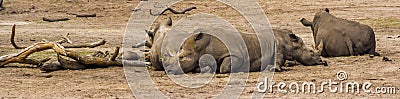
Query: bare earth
x: 18, y: 81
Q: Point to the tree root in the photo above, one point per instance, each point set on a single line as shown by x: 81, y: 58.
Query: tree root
x: 55, y: 19
x: 85, y: 15
x: 173, y: 11
x: 91, y: 45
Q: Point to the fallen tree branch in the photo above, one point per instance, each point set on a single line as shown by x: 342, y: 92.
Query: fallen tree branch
x: 76, y: 61
x: 115, y: 54
x: 65, y: 38
x: 81, y: 62
x: 173, y: 11
x: 20, y: 57
x: 91, y: 45
x: 12, y: 38
x: 55, y: 19
x: 93, y: 62
x: 85, y: 15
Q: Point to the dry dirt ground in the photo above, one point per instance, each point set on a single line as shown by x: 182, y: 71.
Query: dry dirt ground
x: 18, y: 81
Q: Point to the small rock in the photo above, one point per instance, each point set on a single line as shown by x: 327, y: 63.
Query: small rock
x: 313, y: 80
x: 386, y: 59
x: 129, y: 55
x: 45, y: 76
x: 371, y: 56
x: 50, y: 66
x: 32, y: 7
x: 26, y: 74
x: 389, y: 37
x: 136, y: 9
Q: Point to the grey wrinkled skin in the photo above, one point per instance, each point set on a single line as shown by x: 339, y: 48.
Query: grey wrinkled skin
x: 290, y: 47
x: 155, y: 43
x: 154, y: 39
x: 335, y: 36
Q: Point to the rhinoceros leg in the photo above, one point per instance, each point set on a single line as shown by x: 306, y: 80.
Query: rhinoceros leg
x: 290, y: 63
x: 207, y: 64
x: 319, y: 48
x: 349, y: 44
x: 226, y: 65
x: 279, y: 61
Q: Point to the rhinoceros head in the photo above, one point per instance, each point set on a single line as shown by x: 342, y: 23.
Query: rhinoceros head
x: 303, y: 54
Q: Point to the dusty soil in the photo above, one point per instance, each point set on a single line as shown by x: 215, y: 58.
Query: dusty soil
x: 21, y: 81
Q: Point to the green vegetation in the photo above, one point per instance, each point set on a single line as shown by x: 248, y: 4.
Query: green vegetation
x: 50, y: 54
x: 385, y: 22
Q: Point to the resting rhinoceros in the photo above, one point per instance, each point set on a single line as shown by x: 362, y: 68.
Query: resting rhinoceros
x: 289, y: 47
x: 153, y: 34
x: 335, y: 36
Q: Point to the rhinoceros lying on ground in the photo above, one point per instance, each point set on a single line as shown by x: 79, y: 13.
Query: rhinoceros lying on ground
x: 339, y: 37
x: 289, y: 47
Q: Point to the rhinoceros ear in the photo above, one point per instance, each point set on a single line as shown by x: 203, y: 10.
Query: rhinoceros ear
x: 199, y: 36
x: 149, y: 33
x: 169, y: 22
x: 305, y: 22
x: 293, y: 38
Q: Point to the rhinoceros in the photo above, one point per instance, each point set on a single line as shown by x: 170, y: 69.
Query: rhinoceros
x: 335, y: 36
x: 289, y: 47
x: 153, y: 34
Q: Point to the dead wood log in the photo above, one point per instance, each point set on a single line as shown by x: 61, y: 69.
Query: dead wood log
x: 173, y: 11
x: 76, y: 61
x: 91, y: 45
x: 93, y: 61
x: 80, y: 62
x: 61, y: 64
x: 12, y: 38
x: 54, y: 19
x: 85, y: 15
x: 114, y: 55
x: 21, y: 56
